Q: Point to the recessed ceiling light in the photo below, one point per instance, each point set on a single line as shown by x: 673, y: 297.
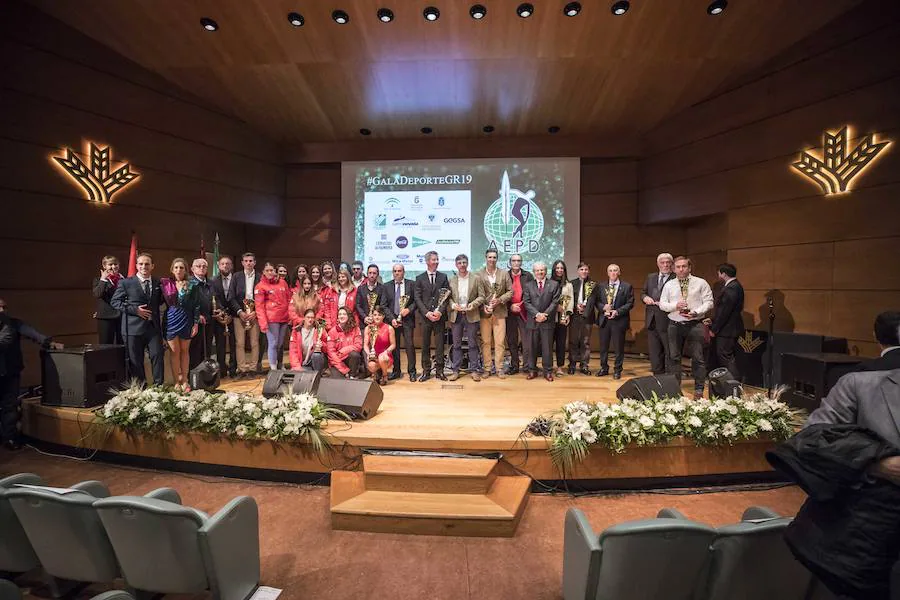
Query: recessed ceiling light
x: 296, y: 19
x: 620, y: 8
x: 553, y: 129
x: 488, y: 129
x: 572, y: 9
x: 385, y: 15
x: 431, y: 13
x: 365, y: 131
x: 525, y: 10
x: 209, y: 24
x: 426, y: 130
x: 478, y: 12
x: 340, y: 17
x: 717, y: 7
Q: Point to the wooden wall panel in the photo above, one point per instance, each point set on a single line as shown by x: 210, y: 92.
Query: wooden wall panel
x: 609, y: 209
x: 866, y: 265
x: 631, y: 240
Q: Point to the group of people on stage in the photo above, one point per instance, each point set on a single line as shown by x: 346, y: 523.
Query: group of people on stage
x: 348, y: 318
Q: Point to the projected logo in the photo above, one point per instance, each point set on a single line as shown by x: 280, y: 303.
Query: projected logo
x: 380, y: 221
x: 513, y: 222
x: 391, y: 203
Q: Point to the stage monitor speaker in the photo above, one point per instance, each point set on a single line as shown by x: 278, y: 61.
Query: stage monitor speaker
x: 279, y: 382
x: 643, y: 388
x: 785, y: 342
x: 359, y: 398
x: 81, y: 377
x: 205, y: 376
x: 810, y: 377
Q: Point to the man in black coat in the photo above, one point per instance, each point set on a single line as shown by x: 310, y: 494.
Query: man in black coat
x: 370, y: 285
x: 403, y: 320
x: 139, y: 298
x: 109, y: 321
x: 434, y: 314
x: 612, y: 317
x: 11, y: 365
x: 887, y: 334
x: 224, y: 290
x: 656, y: 320
x: 201, y: 344
x: 728, y: 324
x: 540, y: 297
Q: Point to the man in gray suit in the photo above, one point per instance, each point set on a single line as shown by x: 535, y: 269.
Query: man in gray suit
x: 657, y: 321
x: 540, y: 297
x: 871, y: 400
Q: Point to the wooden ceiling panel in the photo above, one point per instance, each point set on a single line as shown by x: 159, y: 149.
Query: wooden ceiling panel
x: 594, y: 74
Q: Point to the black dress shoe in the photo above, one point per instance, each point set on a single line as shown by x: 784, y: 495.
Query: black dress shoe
x: 585, y: 371
x: 440, y: 375
x: 424, y: 377
x: 393, y: 376
x: 531, y: 375
x: 602, y: 373
x: 412, y: 377
x: 571, y: 370
x: 12, y: 445
x: 512, y: 372
x: 617, y: 376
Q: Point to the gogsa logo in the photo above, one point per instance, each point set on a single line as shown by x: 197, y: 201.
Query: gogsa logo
x: 454, y: 220
x: 402, y: 242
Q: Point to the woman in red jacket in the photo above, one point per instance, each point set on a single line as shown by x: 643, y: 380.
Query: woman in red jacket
x: 345, y: 344
x: 273, y: 296
x: 342, y: 294
x: 307, y: 344
x: 300, y: 273
x: 315, y: 273
x: 327, y: 276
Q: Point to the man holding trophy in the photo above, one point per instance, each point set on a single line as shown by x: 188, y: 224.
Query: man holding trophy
x: 432, y: 290
x: 400, y: 297
x: 465, y: 299
x: 369, y: 295
x: 580, y: 322
x: 687, y: 299
x: 612, y: 303
x: 497, y: 287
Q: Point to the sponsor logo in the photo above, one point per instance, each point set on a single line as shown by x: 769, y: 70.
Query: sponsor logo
x: 392, y: 203
x: 416, y: 242
x: 513, y: 223
x: 383, y: 236
x: 441, y: 201
x: 402, y: 242
x: 99, y: 182
x: 383, y: 246
x: 410, y: 224
x: 447, y: 242
x: 380, y: 221
x: 402, y: 256
x: 837, y: 168
x: 399, y: 219
x: 416, y: 200
x: 431, y: 218
x: 454, y: 220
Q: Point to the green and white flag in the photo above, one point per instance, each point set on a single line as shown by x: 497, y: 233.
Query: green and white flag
x: 215, y: 265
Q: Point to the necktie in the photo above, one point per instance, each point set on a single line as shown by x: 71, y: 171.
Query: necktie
x: 431, y: 276
x: 147, y: 288
x: 540, y: 286
x: 662, y: 280
x: 227, y: 282
x: 397, y: 299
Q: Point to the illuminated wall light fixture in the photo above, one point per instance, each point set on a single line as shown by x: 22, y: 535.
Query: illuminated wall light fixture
x: 97, y: 181
x: 836, y: 170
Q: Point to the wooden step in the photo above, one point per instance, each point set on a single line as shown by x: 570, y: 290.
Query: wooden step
x: 429, y: 474
x: 495, y: 514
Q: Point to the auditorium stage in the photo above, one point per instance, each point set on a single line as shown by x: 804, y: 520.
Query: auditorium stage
x: 462, y: 416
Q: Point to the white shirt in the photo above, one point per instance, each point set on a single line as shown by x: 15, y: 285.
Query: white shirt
x: 248, y: 289
x: 889, y: 349
x: 402, y: 287
x: 342, y: 298
x: 492, y: 277
x: 699, y: 298
x: 463, y: 289
x: 226, y: 283
x: 581, y: 291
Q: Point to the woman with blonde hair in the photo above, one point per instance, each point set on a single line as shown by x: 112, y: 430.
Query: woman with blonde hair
x: 315, y: 274
x: 342, y: 294
x: 303, y: 299
x: 328, y: 273
x: 182, y: 319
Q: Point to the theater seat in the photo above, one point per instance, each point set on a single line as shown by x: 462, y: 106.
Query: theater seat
x: 16, y: 552
x: 9, y: 590
x: 167, y: 548
x: 652, y: 558
x: 750, y: 560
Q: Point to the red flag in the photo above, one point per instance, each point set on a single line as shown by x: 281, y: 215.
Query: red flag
x: 132, y: 256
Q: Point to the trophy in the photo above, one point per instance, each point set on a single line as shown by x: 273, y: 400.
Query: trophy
x: 404, y: 300
x: 565, y: 304
x: 249, y: 306
x: 610, y: 296
x: 684, y: 284
x: 320, y: 330
x: 221, y: 316
x: 495, y: 293
x: 588, y: 288
x: 372, y: 297
x: 442, y: 296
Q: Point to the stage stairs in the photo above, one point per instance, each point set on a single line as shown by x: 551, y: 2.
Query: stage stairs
x: 429, y: 495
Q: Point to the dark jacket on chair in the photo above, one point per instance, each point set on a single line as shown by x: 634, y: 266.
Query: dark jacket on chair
x: 848, y: 530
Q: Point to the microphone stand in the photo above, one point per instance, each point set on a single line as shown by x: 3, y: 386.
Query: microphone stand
x: 771, y: 347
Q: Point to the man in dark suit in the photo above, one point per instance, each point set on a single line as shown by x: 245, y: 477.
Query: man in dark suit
x: 224, y: 290
x: 12, y: 331
x: 434, y: 314
x: 139, y: 298
x: 887, y: 334
x: 370, y: 285
x: 728, y: 325
x: 109, y: 321
x: 403, y: 320
x: 540, y: 298
x: 246, y: 327
x: 201, y: 344
x: 580, y: 325
x: 657, y: 321
x: 609, y: 306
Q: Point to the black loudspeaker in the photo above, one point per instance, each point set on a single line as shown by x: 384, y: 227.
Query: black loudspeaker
x: 749, y: 354
x: 280, y: 382
x: 359, y: 398
x: 205, y: 376
x: 784, y: 342
x: 81, y: 377
x: 810, y: 377
x: 643, y: 388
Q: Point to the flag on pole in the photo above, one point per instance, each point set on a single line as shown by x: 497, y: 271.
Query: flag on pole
x: 202, y: 247
x: 215, y: 265
x: 132, y: 255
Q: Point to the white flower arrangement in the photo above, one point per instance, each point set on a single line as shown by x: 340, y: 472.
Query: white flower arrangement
x: 659, y: 420
x: 160, y: 410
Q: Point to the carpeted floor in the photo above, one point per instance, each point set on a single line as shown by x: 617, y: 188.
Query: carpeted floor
x: 304, y: 557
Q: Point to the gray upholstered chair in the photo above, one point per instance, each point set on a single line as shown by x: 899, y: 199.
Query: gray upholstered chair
x: 9, y: 590
x: 16, y: 553
x: 750, y: 560
x: 167, y: 548
x: 652, y: 558
x: 66, y: 532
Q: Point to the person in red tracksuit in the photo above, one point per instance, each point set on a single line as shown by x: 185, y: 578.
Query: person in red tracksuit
x: 308, y: 344
x: 273, y: 297
x: 345, y: 344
